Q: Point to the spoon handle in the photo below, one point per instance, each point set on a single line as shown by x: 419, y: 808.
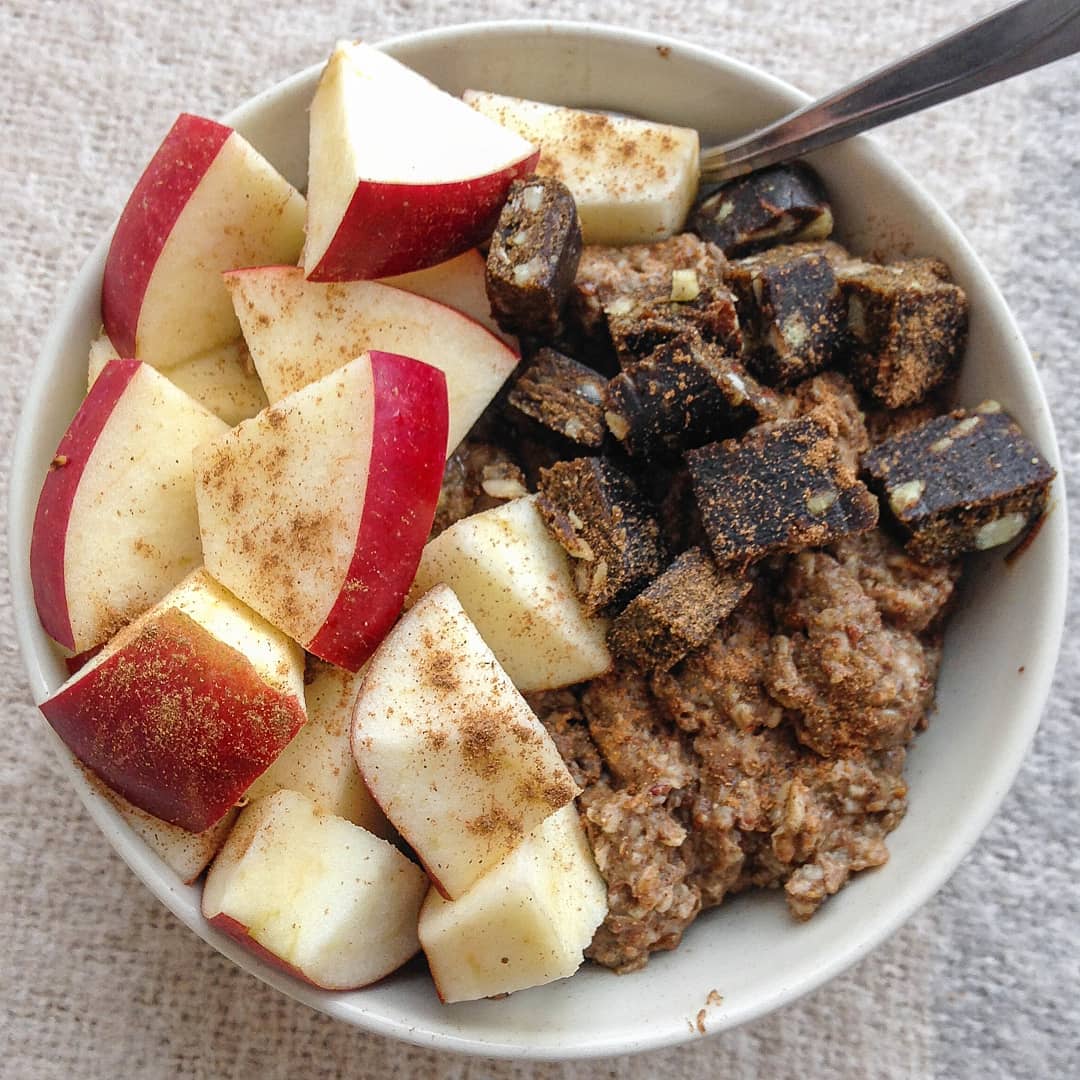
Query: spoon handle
x: 1016, y: 39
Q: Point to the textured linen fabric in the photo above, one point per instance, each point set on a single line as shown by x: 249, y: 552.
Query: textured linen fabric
x: 98, y: 980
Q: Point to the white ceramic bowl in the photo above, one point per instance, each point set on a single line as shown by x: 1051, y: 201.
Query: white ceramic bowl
x: 1001, y: 645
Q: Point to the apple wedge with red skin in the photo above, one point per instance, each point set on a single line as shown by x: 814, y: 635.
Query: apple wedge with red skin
x: 186, y: 706
x: 298, y: 331
x: 315, y: 511
x: 116, y: 525
x: 401, y: 175
x: 450, y: 750
x: 208, y: 201
x: 314, y: 894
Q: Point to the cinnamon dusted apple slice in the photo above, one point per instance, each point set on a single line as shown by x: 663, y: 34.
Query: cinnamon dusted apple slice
x: 207, y: 202
x: 116, y: 526
x: 318, y: 763
x: 222, y: 379
x: 298, y: 331
x: 633, y: 180
x: 449, y: 749
x: 527, y: 921
x: 513, y: 580
x: 315, y: 894
x: 185, y: 706
x: 187, y: 854
x: 315, y: 512
x: 400, y: 174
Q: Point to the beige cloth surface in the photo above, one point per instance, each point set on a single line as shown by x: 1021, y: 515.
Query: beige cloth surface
x: 98, y: 980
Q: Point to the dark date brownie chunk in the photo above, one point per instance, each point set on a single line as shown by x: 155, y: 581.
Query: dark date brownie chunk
x: 781, y: 487
x: 960, y: 482
x: 908, y: 325
x: 597, y: 514
x: 533, y: 257
x: 562, y: 397
x: 770, y: 206
x: 685, y: 393
x: 791, y: 310
x: 678, y: 612
x: 626, y: 301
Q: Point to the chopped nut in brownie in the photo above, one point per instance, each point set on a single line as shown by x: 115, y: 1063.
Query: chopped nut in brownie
x: 769, y: 206
x: 781, y: 487
x: 626, y: 301
x: 599, y: 517
x: 677, y: 612
x: 855, y: 683
x: 685, y: 393
x: 533, y: 257
x: 908, y: 325
x: 562, y: 397
x: 961, y: 482
x: 791, y: 311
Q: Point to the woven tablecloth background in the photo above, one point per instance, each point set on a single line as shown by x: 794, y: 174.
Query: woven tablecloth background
x: 98, y: 980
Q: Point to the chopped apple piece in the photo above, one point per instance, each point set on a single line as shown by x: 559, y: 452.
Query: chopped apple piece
x: 315, y: 894
x: 207, y: 202
x: 527, y: 921
x: 633, y: 180
x: 315, y: 512
x: 458, y: 283
x: 400, y: 174
x: 318, y: 763
x: 223, y: 379
x: 187, y: 854
x: 185, y: 706
x: 116, y: 526
x: 513, y: 580
x: 449, y: 749
x: 298, y: 331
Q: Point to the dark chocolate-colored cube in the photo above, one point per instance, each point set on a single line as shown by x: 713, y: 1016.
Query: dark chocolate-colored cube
x: 533, y: 257
x: 598, y: 515
x: 561, y: 397
x: 908, y: 325
x: 676, y: 613
x: 960, y: 482
x: 792, y: 313
x: 685, y: 393
x: 770, y: 206
x: 781, y: 487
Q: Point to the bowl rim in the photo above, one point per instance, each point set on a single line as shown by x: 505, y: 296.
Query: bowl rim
x: 168, y: 889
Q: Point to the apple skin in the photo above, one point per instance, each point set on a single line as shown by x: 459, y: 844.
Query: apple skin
x: 49, y: 534
x: 174, y: 720
x: 233, y: 928
x: 398, y: 228
x: 407, y: 444
x: 159, y: 197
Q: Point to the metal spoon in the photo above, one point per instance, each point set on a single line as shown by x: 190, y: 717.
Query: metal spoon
x: 1016, y: 39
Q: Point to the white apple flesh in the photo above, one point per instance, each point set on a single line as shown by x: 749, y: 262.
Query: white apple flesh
x: 315, y: 894
x: 634, y: 181
x: 182, y: 710
x: 207, y: 202
x: 513, y: 580
x: 116, y: 526
x: 318, y: 763
x: 315, y: 512
x: 298, y: 331
x: 222, y: 379
x: 449, y: 749
x: 401, y: 175
x: 526, y: 922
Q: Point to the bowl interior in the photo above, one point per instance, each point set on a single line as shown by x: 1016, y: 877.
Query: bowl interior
x: 1000, y: 650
